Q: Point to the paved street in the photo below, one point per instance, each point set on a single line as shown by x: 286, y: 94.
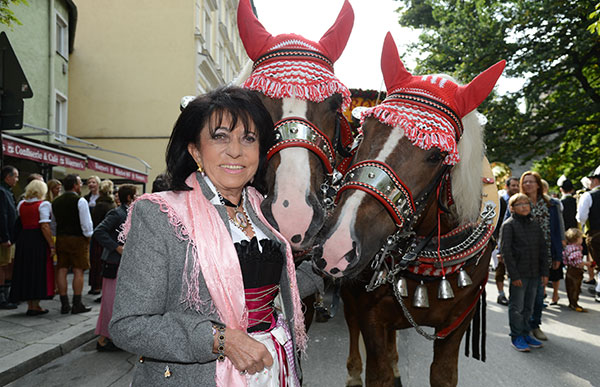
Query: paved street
x: 569, y: 358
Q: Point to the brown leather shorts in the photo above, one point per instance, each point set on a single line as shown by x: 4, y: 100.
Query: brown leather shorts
x: 73, y: 251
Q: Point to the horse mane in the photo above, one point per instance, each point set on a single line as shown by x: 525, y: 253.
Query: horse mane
x: 243, y: 74
x: 466, y: 174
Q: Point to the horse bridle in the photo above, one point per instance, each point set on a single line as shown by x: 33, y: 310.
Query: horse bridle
x: 379, y: 180
x: 293, y: 132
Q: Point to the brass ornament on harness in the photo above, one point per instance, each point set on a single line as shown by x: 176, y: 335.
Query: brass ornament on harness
x: 464, y: 279
x: 445, y: 290
x: 298, y: 132
x: 402, y: 287
x: 421, y: 299
x: 379, y: 180
x: 293, y: 132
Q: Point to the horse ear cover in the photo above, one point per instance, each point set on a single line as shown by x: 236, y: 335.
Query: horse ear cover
x: 429, y: 108
x: 257, y: 40
x: 462, y: 99
x: 291, y: 66
x: 253, y: 34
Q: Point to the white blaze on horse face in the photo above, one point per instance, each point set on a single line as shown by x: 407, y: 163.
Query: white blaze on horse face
x: 292, y: 184
x: 341, y: 240
x: 396, y: 135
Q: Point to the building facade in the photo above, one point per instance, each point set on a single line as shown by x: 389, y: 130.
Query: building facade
x: 41, y: 42
x: 133, y: 62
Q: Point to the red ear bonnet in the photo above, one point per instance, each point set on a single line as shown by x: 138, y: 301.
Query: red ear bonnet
x: 291, y: 66
x: 429, y: 108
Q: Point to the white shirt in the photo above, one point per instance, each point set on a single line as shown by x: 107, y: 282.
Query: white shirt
x: 45, y: 209
x: 92, y: 202
x: 237, y: 234
x: 583, y: 208
x: 85, y: 219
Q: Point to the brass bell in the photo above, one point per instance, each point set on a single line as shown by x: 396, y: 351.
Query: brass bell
x: 445, y: 290
x: 421, y: 299
x: 464, y: 279
x: 402, y: 287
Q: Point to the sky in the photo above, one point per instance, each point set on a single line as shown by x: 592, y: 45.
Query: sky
x: 359, y: 66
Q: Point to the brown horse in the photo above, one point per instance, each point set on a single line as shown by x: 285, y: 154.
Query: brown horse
x: 412, y: 216
x: 295, y: 78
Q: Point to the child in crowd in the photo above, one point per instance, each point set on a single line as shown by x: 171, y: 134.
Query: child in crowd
x: 573, y: 258
x: 523, y: 249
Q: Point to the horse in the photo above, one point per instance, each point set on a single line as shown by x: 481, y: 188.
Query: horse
x: 295, y: 80
x: 413, y: 220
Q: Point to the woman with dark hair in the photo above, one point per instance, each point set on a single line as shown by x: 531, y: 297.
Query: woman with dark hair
x: 106, y: 235
x: 104, y: 203
x: 207, y: 292
x: 547, y: 214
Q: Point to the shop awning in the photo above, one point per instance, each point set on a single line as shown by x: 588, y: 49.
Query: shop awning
x: 20, y: 148
x: 23, y: 149
x: 104, y: 166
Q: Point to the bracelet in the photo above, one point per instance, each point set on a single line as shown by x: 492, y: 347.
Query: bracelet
x: 220, y: 330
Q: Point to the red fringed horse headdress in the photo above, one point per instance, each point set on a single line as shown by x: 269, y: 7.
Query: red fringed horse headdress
x: 429, y: 108
x: 290, y: 66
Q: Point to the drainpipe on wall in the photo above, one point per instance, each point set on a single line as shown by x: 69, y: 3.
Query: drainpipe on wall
x: 51, y: 93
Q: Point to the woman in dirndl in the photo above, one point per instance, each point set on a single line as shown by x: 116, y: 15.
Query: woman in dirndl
x: 33, y: 273
x: 207, y: 292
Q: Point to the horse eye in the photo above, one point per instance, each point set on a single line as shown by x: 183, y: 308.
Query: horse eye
x: 436, y: 157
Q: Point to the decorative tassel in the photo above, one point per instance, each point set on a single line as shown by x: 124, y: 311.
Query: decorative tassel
x: 476, y: 331
x: 483, y: 324
x: 467, y: 340
x: 417, y: 124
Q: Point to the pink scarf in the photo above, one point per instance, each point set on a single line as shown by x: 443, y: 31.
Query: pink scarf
x: 214, y: 258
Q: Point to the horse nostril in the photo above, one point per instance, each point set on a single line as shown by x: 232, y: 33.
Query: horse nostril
x: 321, y: 263
x: 296, y: 238
x: 350, y: 256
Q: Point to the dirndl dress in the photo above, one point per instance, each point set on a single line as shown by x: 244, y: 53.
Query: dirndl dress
x: 33, y: 272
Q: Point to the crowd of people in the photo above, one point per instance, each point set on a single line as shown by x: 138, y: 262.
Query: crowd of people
x: 541, y: 241
x: 51, y: 230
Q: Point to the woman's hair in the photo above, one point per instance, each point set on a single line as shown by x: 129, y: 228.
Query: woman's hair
x: 106, y: 188
x: 36, y: 189
x: 51, y: 184
x: 161, y: 183
x: 518, y: 197
x: 572, y: 234
x: 240, y: 105
x: 93, y: 177
x: 538, y: 179
x: 125, y: 191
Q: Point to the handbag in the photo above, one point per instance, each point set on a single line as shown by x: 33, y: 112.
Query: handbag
x: 109, y: 270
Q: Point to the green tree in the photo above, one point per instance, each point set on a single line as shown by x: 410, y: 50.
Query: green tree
x: 546, y: 42
x: 7, y: 16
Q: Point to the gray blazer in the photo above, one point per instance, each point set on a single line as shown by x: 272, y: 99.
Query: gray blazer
x: 148, y: 316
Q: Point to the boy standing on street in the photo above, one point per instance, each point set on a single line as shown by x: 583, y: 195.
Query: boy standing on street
x: 523, y: 249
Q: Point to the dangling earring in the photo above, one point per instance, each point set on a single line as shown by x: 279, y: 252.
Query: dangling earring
x: 200, y: 169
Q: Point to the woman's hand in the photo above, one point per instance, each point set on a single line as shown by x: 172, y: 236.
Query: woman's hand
x: 555, y: 264
x: 245, y: 353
